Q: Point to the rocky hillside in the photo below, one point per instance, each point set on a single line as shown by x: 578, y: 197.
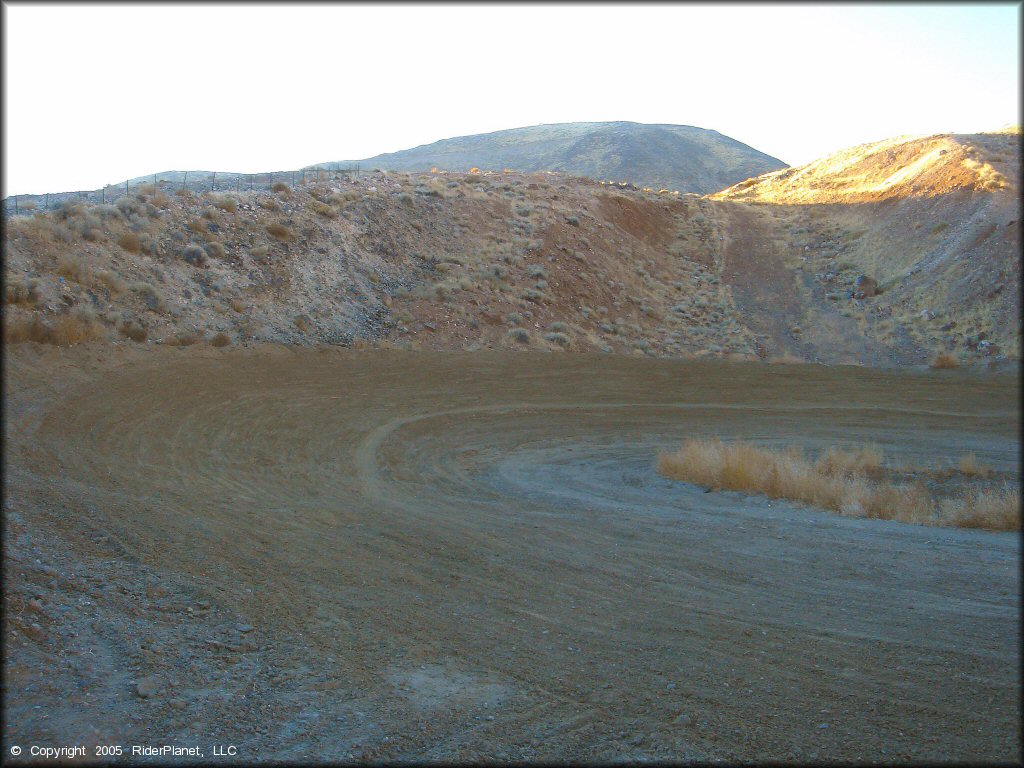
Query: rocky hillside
x: 540, y: 261
x: 675, y: 157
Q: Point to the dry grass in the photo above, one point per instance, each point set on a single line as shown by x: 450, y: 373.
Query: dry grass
x: 21, y: 290
x: 226, y: 203
x: 19, y: 329
x: 73, y: 269
x: 992, y: 510
x: 130, y: 242
x: 323, y: 209
x: 220, y: 340
x: 970, y: 466
x: 66, y: 330
x: 945, y: 360
x: 840, y: 480
x: 280, y: 231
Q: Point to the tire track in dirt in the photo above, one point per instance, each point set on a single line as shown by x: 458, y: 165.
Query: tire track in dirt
x: 473, y: 537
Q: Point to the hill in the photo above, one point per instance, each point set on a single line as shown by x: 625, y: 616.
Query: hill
x: 677, y: 157
x: 538, y: 261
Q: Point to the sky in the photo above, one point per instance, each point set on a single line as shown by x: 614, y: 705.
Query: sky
x: 95, y: 94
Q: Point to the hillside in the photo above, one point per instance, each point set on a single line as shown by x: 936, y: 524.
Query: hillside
x: 549, y: 262
x: 676, y: 157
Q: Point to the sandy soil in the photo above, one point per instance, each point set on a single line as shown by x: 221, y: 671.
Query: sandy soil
x: 327, y: 554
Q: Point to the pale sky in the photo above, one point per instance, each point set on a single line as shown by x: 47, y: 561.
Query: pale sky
x: 96, y: 94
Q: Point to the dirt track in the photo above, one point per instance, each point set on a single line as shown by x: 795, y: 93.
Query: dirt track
x: 321, y: 554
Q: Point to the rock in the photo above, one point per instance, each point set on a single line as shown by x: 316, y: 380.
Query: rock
x: 823, y: 726
x: 865, y: 287
x: 683, y: 719
x: 148, y: 686
x: 34, y: 632
x: 178, y: 704
x: 245, y: 628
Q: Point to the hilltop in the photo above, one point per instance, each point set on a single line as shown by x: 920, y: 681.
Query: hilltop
x: 676, y: 157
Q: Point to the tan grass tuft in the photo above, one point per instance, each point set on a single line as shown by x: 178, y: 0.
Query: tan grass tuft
x: 840, y: 480
x: 970, y: 466
x: 945, y: 360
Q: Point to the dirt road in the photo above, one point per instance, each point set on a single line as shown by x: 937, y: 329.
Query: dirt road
x: 331, y: 554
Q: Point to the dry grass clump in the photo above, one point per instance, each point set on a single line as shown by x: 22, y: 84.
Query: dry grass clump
x: 66, y: 330
x: 945, y: 360
x: 323, y: 209
x: 184, y: 339
x: 969, y: 465
x: 220, y: 340
x: 519, y: 335
x: 130, y: 242
x: 226, y: 203
x: 134, y: 331
x: 215, y: 249
x: 866, y: 460
x: 279, y: 231
x: 19, y: 329
x: 114, y: 284
x: 280, y: 186
x: 21, y: 290
x: 840, y: 480
x: 993, y: 510
x: 73, y: 269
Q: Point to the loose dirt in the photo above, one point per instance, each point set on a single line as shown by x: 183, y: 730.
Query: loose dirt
x: 326, y: 554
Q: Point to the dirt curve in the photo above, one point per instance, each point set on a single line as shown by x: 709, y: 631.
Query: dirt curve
x: 326, y: 554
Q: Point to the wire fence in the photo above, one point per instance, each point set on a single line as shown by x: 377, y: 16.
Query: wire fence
x: 169, y: 183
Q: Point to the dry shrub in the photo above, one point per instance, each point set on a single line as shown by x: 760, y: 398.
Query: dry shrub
x: 226, y: 203
x: 220, y: 340
x: 21, y: 290
x: 280, y: 186
x: 866, y: 460
x: 160, y: 199
x: 970, y: 466
x: 945, y: 360
x: 323, y: 209
x: 185, y: 339
x: 215, y: 249
x: 21, y: 328
x: 194, y: 255
x: 130, y: 242
x: 70, y: 329
x: 838, y: 481
x: 183, y: 192
x: 278, y: 230
x: 260, y: 252
x: 39, y: 231
x: 269, y: 203
x: 73, y: 269
x: 238, y: 305
x: 134, y: 331
x: 992, y: 510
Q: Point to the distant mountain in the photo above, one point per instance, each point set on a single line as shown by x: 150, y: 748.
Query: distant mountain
x: 672, y: 156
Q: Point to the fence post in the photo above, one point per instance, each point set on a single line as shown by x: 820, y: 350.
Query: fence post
x: 47, y: 201
x: 15, y: 205
x: 238, y: 180
x: 103, y: 195
x: 293, y: 178
x: 184, y: 182
x: 213, y: 183
x: 125, y: 188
